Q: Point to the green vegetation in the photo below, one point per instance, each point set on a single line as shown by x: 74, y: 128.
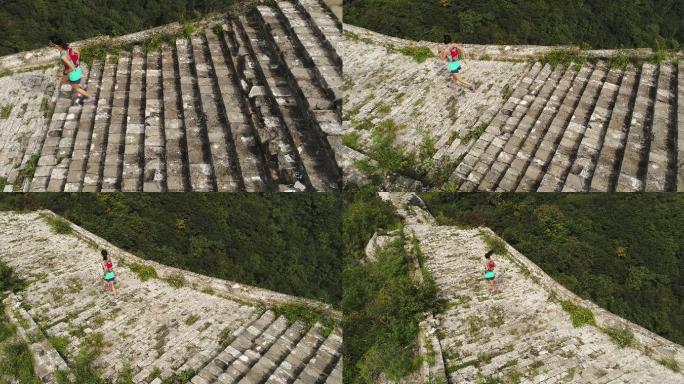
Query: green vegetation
x: 562, y: 57
x: 16, y: 361
x: 310, y: 316
x: 579, y: 315
x: 192, y: 319
x: 32, y: 21
x: 60, y: 344
x: 419, y: 54
x: 390, y: 158
x: 624, y: 253
x: 144, y: 272
x: 176, y: 280
x: 476, y: 132
x: 670, y: 363
x: 598, y: 24
x: 27, y: 172
x: 351, y: 140
x: 58, y: 225
x: 622, y: 337
x: 290, y: 243
x: 83, y: 366
x: 494, y: 243
x: 5, y: 111
x: 382, y: 303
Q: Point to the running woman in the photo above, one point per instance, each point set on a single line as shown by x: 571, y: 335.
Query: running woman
x: 108, y: 271
x: 489, y: 274
x: 72, y: 73
x: 454, y: 55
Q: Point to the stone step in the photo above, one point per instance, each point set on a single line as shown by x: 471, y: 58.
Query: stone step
x: 293, y: 77
x: 323, y: 362
x: 632, y: 164
x: 201, y: 171
x: 221, y: 146
x: 556, y: 169
x: 64, y: 108
x: 471, y: 158
x: 534, y: 172
x: 243, y: 363
x: 103, y: 115
x: 245, y: 108
x: 327, y: 24
x: 81, y: 147
x: 176, y: 145
x: 153, y: 165
x: 113, y: 161
x: 134, y: 137
x: 289, y: 369
x: 581, y: 168
x: 336, y: 375
x: 245, y: 138
x: 65, y: 147
x: 604, y: 174
x: 312, y: 45
x: 661, y: 168
x: 270, y: 360
x: 523, y: 157
x: 520, y: 133
x: 509, y: 124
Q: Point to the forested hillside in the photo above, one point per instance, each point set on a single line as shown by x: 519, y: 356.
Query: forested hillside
x: 289, y: 243
x: 624, y: 252
x: 26, y: 24
x: 599, y: 24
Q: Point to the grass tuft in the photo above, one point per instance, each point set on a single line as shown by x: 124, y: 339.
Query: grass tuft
x: 144, y: 272
x: 622, y: 337
x: 580, y: 316
x: 58, y: 225
x: 176, y: 280
x: 419, y: 54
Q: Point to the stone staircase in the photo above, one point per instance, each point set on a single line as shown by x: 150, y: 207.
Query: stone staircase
x: 245, y: 106
x: 522, y: 334
x: 598, y: 129
x: 578, y: 128
x: 24, y: 109
x: 156, y: 330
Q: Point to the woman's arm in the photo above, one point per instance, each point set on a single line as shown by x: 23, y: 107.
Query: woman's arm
x: 67, y: 61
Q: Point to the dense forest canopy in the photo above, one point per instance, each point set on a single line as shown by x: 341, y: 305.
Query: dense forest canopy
x: 599, y: 24
x: 624, y: 252
x: 289, y: 243
x: 26, y: 24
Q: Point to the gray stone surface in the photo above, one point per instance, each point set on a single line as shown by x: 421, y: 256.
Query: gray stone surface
x: 151, y: 326
x: 583, y: 128
x: 24, y: 110
x: 522, y: 334
x: 247, y: 109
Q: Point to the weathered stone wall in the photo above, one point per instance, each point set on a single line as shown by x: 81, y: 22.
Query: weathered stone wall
x: 522, y: 334
x: 177, y: 323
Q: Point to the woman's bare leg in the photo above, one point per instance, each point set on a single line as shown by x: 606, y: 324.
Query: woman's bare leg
x: 80, y: 90
x: 458, y: 79
x: 113, y: 288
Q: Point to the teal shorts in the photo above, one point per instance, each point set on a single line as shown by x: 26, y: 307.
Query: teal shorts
x: 75, y: 76
x: 109, y: 276
x: 454, y: 66
x: 489, y: 275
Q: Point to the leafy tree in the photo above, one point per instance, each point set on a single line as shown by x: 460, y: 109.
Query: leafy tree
x: 599, y: 24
